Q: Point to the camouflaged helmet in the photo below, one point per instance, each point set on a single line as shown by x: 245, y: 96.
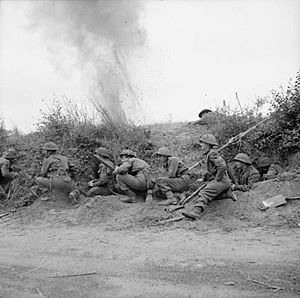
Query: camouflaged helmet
x: 243, y: 158
x: 103, y: 152
x: 264, y: 162
x: 128, y: 152
x: 10, y: 154
x: 209, y: 139
x: 163, y: 151
x: 50, y: 146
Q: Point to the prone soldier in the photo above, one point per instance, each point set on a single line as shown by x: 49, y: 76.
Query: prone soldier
x: 267, y: 169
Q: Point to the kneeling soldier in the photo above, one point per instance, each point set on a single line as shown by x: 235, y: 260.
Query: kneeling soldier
x: 56, y: 173
x: 103, y: 186
x: 131, y: 175
x: 177, y: 178
x: 245, y: 173
x: 217, y: 177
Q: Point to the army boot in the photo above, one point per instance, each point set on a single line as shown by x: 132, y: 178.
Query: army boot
x: 130, y: 197
x: 171, y: 200
x: 196, y: 213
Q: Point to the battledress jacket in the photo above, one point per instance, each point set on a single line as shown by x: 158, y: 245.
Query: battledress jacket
x: 132, y: 166
x: 246, y: 179
x: 58, y: 165
x: 273, y: 171
x: 105, y: 174
x: 175, y: 167
x: 5, y: 169
x: 215, y: 166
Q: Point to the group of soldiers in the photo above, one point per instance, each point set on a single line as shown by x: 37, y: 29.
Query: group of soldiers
x: 133, y: 175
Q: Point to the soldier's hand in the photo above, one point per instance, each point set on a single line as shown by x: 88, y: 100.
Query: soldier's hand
x: 232, y: 186
x: 200, y: 180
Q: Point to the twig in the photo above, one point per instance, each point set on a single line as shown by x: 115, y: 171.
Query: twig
x: 72, y: 275
x: 170, y: 220
x: 4, y: 214
x: 264, y: 284
x: 40, y: 293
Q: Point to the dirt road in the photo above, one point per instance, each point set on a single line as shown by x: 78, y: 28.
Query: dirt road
x: 164, y: 261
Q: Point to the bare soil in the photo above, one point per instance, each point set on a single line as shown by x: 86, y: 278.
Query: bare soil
x: 105, y: 248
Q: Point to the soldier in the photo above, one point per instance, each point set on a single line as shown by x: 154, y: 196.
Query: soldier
x: 7, y: 175
x: 177, y: 178
x: 217, y: 177
x: 102, y: 186
x: 56, y: 173
x: 245, y: 173
x: 267, y: 169
x: 131, y: 175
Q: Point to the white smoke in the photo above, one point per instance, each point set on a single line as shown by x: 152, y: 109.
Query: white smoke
x: 99, y: 35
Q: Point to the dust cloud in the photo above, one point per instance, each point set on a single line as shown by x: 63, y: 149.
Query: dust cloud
x: 99, y: 36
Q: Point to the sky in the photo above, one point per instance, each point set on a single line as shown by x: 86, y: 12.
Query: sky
x: 178, y: 56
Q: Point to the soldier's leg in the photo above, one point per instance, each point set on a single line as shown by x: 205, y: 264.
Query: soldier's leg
x: 207, y: 194
x: 2, y: 193
x: 169, y: 185
x: 99, y: 191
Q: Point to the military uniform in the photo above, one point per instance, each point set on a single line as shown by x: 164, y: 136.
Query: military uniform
x: 6, y: 175
x: 104, y: 184
x: 177, y: 178
x: 267, y: 169
x: 56, y: 174
x: 132, y: 175
x: 217, y: 179
x: 245, y: 176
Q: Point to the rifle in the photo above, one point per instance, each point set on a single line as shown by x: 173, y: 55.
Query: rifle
x: 234, y: 140
x: 104, y: 162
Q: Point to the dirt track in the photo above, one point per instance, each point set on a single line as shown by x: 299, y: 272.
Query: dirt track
x: 168, y: 261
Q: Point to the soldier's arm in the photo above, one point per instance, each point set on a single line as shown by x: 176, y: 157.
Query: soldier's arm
x: 253, y: 178
x: 172, y: 169
x: 72, y: 168
x: 274, y: 171
x: 220, y: 164
x: 123, y: 168
x: 104, y: 174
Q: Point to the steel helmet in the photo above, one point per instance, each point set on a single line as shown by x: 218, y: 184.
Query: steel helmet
x: 103, y: 152
x: 163, y: 151
x: 10, y: 154
x: 203, y: 112
x: 264, y: 162
x: 50, y: 146
x: 209, y: 139
x: 128, y: 152
x: 243, y: 158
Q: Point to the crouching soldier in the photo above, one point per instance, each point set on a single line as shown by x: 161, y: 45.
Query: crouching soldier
x: 177, y: 178
x: 103, y: 186
x: 132, y: 175
x: 7, y: 175
x: 217, y: 177
x: 267, y: 169
x: 245, y: 173
x: 56, y: 173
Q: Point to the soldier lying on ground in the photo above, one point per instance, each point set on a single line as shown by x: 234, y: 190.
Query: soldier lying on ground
x: 245, y: 173
x: 217, y: 177
x: 56, y: 173
x: 7, y: 175
x: 177, y: 178
x: 132, y: 175
x: 267, y: 169
x: 104, y: 185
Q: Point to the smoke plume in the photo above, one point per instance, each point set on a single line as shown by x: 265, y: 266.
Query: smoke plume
x: 99, y: 36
